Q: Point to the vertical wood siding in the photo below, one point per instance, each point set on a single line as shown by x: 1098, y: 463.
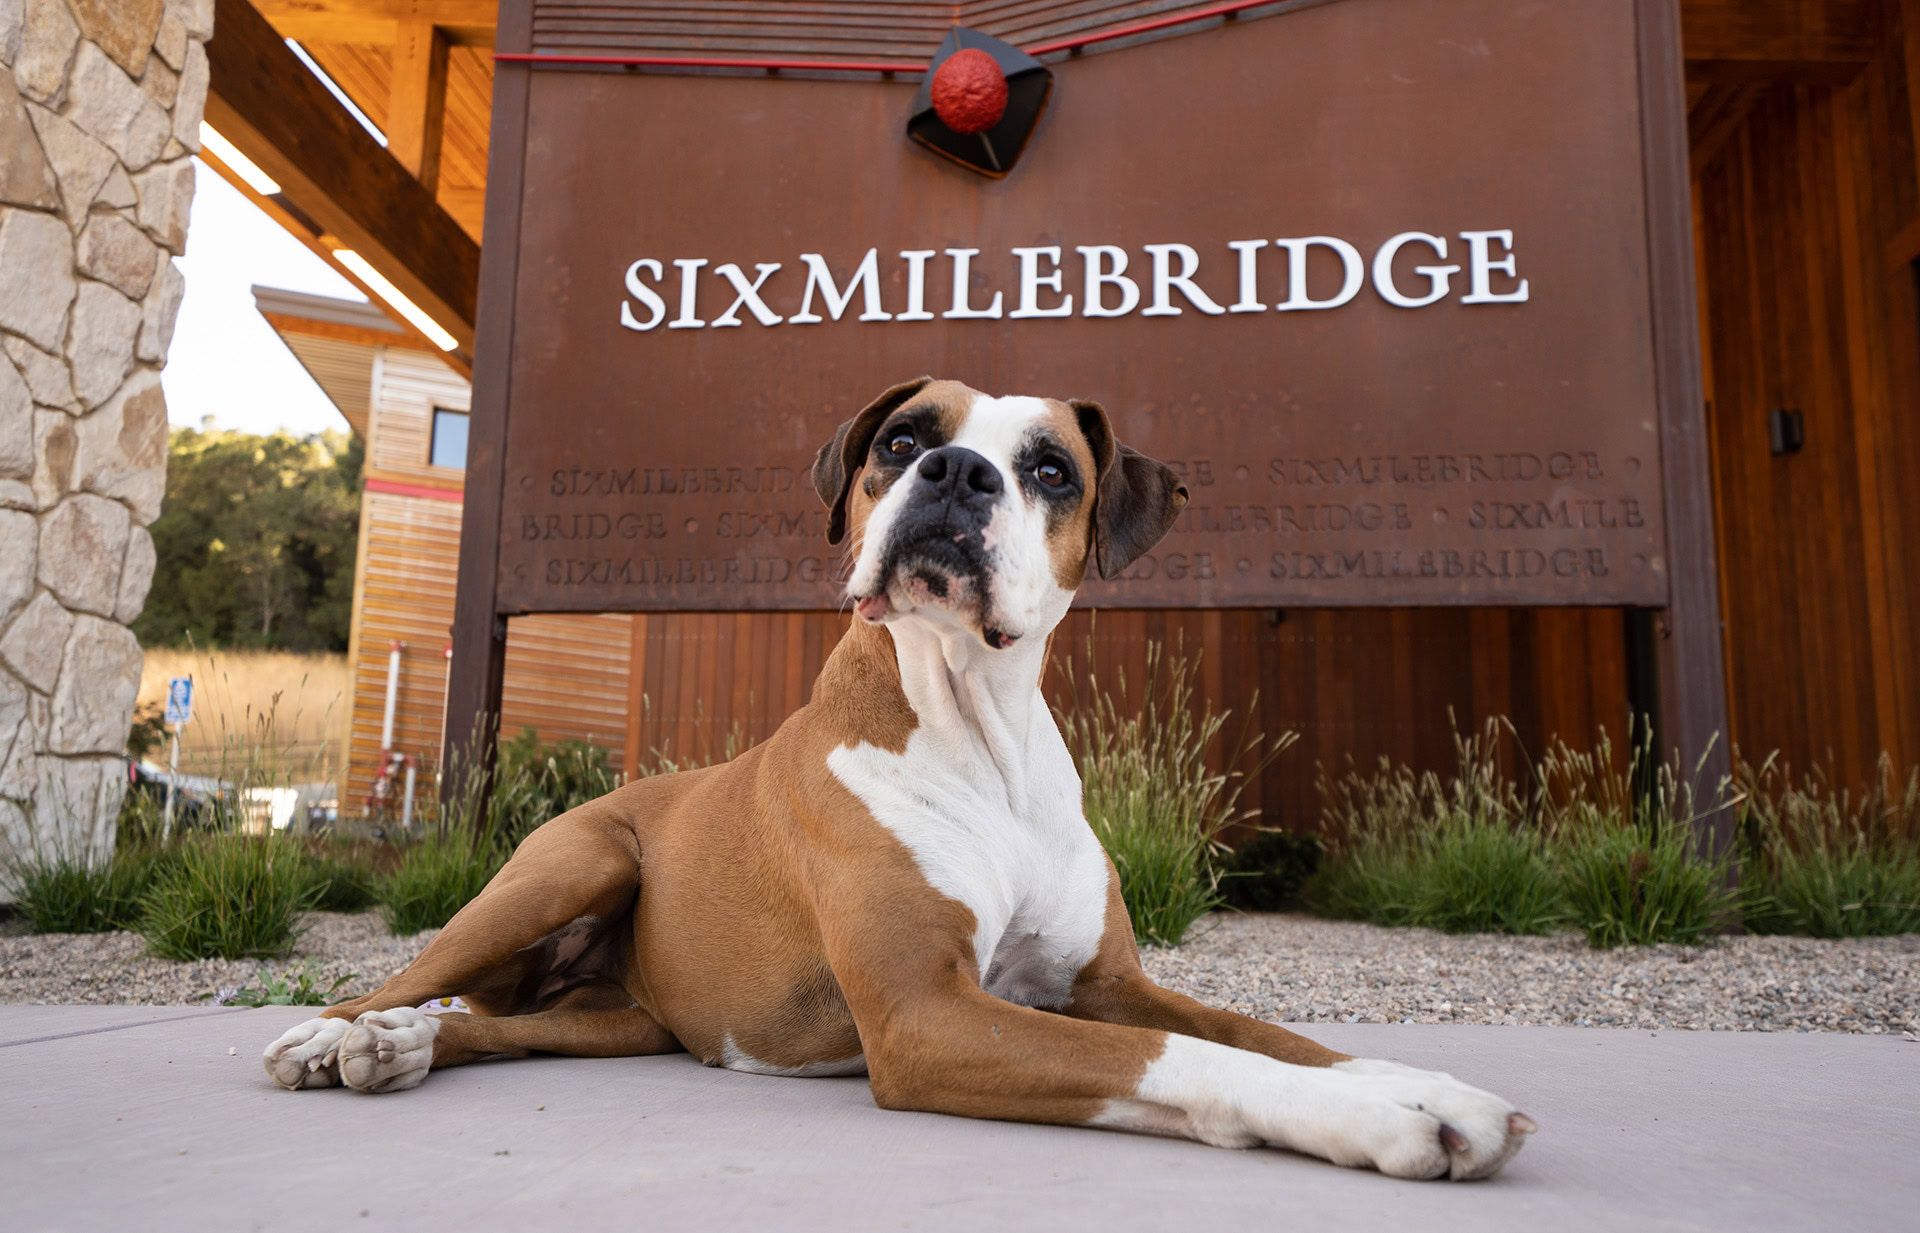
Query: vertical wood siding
x: 1807, y: 311
x: 566, y: 674
x: 1355, y: 685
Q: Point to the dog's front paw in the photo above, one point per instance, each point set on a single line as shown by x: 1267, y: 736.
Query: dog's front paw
x: 1424, y: 1124
x: 388, y: 1050
x: 307, y: 1055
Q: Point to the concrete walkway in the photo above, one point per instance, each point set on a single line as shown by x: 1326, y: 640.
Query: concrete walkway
x: 137, y: 1118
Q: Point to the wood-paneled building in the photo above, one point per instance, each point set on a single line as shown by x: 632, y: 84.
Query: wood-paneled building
x: 567, y: 676
x: 1804, y: 123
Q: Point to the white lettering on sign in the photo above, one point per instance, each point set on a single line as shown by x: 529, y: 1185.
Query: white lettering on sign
x: 1106, y: 289
x: 1437, y: 275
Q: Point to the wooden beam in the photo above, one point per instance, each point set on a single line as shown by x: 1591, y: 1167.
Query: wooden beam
x: 417, y: 100
x: 466, y: 23
x: 332, y: 171
x: 303, y: 229
x: 1777, y: 40
x: 1720, y: 111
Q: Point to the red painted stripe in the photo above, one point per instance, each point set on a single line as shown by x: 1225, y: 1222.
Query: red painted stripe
x: 415, y: 490
x: 826, y: 66
x: 878, y: 66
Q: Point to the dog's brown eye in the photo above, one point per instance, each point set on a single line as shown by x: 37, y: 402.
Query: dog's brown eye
x: 901, y: 443
x: 1050, y: 474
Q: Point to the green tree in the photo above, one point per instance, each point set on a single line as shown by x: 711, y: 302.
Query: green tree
x: 255, y: 544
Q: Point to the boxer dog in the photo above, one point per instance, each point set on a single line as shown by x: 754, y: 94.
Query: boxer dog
x: 900, y: 882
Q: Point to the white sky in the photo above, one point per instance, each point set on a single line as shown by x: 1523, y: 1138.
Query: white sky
x: 226, y: 361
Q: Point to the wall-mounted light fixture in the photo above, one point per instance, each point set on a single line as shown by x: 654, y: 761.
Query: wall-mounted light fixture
x: 979, y: 102
x: 1786, y: 431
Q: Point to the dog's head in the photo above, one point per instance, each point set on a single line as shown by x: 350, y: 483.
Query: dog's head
x: 985, y: 512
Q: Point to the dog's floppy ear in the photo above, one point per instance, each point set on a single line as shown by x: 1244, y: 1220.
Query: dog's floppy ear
x: 839, y: 458
x: 1135, y: 498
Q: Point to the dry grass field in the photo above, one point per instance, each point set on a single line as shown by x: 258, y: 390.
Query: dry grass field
x: 275, y: 710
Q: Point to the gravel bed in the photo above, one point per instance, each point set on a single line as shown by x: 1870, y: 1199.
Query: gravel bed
x: 1297, y: 969
x: 115, y: 967
x: 1287, y: 968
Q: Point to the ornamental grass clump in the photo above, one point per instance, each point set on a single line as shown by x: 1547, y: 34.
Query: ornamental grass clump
x: 229, y: 896
x: 78, y: 888
x: 1457, y: 854
x: 342, y: 883
x: 535, y: 783
x: 1633, y: 868
x: 1826, y: 863
x: 1150, y: 793
x: 1594, y: 841
x: 64, y: 894
x: 435, y: 879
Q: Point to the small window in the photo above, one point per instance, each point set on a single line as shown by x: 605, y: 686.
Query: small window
x: 449, y: 439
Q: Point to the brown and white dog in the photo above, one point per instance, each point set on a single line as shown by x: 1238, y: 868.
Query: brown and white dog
x: 900, y: 881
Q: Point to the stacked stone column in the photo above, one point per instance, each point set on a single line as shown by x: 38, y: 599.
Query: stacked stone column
x: 100, y: 108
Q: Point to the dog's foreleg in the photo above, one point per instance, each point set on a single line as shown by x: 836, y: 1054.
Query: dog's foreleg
x: 963, y: 1051
x: 1403, y: 1122
x: 1129, y: 997
x: 591, y: 1021
x: 392, y: 1050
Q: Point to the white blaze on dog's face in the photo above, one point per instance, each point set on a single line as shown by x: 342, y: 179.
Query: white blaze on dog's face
x: 984, y: 512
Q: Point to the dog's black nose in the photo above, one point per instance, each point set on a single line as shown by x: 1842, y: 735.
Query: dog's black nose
x: 957, y: 473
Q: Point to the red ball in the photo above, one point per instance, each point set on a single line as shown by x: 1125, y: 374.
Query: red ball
x: 969, y: 91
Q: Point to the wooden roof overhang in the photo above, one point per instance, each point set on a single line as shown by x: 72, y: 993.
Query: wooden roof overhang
x: 335, y: 341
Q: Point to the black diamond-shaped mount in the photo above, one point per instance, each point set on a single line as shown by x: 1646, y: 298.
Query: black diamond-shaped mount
x: 993, y: 152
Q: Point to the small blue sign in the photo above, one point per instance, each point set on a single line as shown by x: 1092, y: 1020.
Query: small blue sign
x: 180, y: 700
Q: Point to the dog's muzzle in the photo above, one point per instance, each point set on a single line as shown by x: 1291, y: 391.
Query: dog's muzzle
x: 937, y: 548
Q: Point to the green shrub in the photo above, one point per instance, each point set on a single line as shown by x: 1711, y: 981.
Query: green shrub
x: 1459, y: 873
x: 1267, y: 872
x: 343, y: 884
x: 435, y: 879
x: 1455, y: 854
x: 66, y: 895
x: 1626, y: 887
x: 1605, y: 847
x: 229, y: 896
x: 1149, y: 794
x: 1827, y: 864
x: 1632, y: 870
x: 534, y: 783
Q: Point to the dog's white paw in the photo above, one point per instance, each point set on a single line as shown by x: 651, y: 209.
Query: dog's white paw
x: 1425, y: 1124
x: 388, y: 1050
x: 307, y: 1055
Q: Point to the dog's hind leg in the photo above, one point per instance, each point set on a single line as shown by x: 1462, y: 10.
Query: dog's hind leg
x: 390, y: 1051
x: 569, y: 876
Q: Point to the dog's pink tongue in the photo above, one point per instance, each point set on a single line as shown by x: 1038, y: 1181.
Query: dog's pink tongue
x: 872, y: 608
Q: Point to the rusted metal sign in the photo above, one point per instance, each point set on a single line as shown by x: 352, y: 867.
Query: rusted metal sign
x: 1374, y: 276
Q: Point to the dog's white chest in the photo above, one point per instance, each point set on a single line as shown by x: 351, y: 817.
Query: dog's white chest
x: 1028, y: 868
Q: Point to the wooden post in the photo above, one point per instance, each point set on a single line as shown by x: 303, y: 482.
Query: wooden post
x: 479, y: 628
x: 1691, y: 714
x: 417, y: 101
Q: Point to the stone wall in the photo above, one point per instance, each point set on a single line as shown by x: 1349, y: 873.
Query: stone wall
x: 100, y: 107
